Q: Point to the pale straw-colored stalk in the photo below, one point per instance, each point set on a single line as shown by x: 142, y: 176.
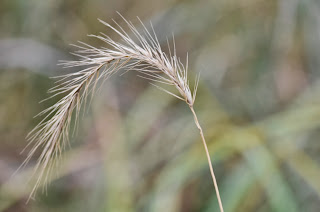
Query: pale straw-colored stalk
x: 143, y: 55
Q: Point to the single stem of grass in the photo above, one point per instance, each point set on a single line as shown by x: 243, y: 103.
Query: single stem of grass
x: 208, y: 157
x: 144, y: 56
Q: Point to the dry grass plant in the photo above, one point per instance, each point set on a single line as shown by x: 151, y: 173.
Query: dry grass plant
x: 144, y: 56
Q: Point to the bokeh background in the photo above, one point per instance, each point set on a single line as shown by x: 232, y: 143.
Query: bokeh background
x: 137, y: 148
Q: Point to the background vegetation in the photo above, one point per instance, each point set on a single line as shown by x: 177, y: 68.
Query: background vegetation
x: 137, y: 149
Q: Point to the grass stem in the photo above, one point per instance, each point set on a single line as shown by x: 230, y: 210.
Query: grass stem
x: 208, y: 157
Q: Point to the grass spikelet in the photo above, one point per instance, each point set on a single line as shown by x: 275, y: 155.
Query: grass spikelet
x: 144, y: 56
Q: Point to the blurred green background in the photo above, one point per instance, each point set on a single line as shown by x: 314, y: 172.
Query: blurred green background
x: 137, y: 148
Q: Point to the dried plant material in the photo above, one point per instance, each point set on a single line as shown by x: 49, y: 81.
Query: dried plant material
x: 144, y: 56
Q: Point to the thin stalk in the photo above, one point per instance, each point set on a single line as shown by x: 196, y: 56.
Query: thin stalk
x: 208, y: 157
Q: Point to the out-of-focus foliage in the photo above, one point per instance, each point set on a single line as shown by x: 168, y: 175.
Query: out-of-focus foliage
x: 137, y: 149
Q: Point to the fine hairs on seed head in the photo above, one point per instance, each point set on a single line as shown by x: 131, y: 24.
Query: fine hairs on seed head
x: 144, y: 56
